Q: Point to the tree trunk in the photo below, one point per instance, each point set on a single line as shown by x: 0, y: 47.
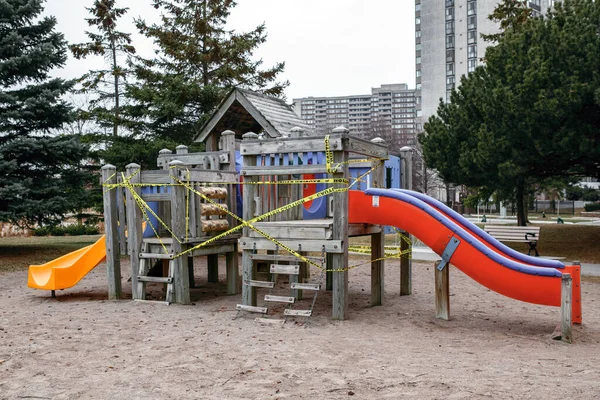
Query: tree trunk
x: 521, y: 215
x: 116, y: 76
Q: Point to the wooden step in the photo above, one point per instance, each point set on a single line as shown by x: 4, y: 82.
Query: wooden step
x: 263, y: 284
x: 260, y: 310
x: 280, y: 299
x: 155, y: 279
x: 285, y: 269
x: 166, y: 303
x: 158, y: 256
x: 305, y: 286
x: 297, y: 313
x: 273, y: 257
x: 269, y: 321
x: 154, y: 240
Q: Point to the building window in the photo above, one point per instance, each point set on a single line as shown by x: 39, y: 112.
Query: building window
x: 418, y: 73
x: 472, y: 51
x: 450, y: 69
x: 471, y: 8
x: 418, y: 34
x: 450, y: 83
x: 472, y: 37
x: 472, y: 22
x: 418, y: 21
x: 449, y: 3
x: 471, y: 64
x: 449, y: 13
x: 418, y: 60
x: 449, y: 27
x: 450, y: 41
x: 418, y: 7
x: 418, y: 47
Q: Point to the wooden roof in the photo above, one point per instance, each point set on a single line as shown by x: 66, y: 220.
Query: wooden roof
x: 247, y: 111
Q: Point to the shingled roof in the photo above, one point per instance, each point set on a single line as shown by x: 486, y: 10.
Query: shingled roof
x: 246, y: 111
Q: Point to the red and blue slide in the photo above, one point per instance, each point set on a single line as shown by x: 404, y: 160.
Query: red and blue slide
x: 467, y: 247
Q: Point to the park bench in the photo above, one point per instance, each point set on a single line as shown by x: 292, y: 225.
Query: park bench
x: 520, y: 234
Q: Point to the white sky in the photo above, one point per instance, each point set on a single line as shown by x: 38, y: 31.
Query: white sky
x: 330, y: 47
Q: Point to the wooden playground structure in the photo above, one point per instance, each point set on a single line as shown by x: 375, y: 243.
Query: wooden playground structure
x: 196, y: 196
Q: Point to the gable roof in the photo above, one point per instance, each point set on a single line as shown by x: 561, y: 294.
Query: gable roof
x: 247, y: 111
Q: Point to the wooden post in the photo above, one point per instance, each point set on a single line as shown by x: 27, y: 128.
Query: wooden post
x: 181, y: 283
x: 565, y: 309
x: 405, y: 260
x: 111, y: 231
x: 248, y: 270
x: 121, y: 215
x: 233, y: 272
x: 442, y: 291
x: 212, y: 263
x: 134, y: 226
x: 329, y: 274
x: 377, y: 241
x: 340, y: 230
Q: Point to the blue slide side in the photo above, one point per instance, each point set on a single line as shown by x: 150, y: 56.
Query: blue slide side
x: 463, y: 234
x: 540, y: 262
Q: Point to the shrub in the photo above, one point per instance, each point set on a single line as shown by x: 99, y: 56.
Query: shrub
x: 592, y: 207
x: 69, y: 230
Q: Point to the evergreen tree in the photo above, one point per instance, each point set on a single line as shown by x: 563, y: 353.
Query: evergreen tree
x: 197, y: 62
x: 508, y: 14
x: 109, y: 43
x: 40, y: 172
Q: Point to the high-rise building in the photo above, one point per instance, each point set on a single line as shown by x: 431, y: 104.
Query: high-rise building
x: 388, y: 110
x: 449, y: 45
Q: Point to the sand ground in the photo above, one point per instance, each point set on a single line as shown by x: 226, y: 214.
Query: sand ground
x: 82, y: 346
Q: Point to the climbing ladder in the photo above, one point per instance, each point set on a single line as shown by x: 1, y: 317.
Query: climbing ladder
x: 146, y: 259
x: 296, y: 287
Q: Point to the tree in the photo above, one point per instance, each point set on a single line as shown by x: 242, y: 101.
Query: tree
x: 509, y: 15
x: 108, y: 43
x: 531, y: 114
x: 41, y: 175
x: 198, y: 61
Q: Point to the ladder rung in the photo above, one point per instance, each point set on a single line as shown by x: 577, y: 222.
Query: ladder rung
x: 285, y: 269
x: 280, y: 299
x: 155, y: 279
x: 269, y: 321
x: 273, y: 257
x: 166, y: 303
x: 260, y: 310
x: 305, y: 286
x: 157, y: 256
x: 264, y: 284
x: 297, y: 313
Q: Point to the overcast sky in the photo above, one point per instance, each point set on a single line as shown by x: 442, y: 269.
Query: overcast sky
x: 330, y: 47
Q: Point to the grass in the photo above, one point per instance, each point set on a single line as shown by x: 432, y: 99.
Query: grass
x: 17, y: 253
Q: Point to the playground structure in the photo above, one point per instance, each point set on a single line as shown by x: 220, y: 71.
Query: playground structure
x: 194, y: 214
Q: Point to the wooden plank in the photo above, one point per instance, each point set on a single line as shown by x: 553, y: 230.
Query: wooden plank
x: 377, y: 269
x: 155, y: 240
x: 248, y: 267
x: 288, y: 145
x: 288, y: 232
x: 340, y: 232
x: 305, y: 286
x: 274, y: 257
x: 166, y: 303
x: 242, y: 307
x: 297, y: 313
x: 363, y: 229
x: 285, y: 269
x: 157, y: 256
x: 192, y: 158
x: 331, y: 246
x: 155, y: 279
x: 158, y: 176
x: 366, y: 148
x: 208, y: 176
x: 113, y: 249
x: 279, y: 299
x: 212, y: 249
x: 566, y: 308
x: 181, y: 284
x: 261, y: 284
x: 442, y: 292
x: 405, y: 266
x: 233, y: 271
x: 212, y: 263
x: 134, y: 225
x: 269, y: 321
x: 156, y: 197
x: 283, y: 170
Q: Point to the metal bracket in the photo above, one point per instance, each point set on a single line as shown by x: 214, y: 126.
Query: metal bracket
x: 448, y: 252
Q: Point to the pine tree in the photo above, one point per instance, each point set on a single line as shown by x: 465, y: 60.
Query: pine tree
x: 197, y: 62
x: 508, y: 14
x: 108, y: 43
x: 40, y: 173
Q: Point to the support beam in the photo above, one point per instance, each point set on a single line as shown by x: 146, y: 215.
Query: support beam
x: 181, y: 282
x: 377, y: 270
x: 134, y: 225
x: 212, y: 263
x: 442, y: 292
x: 405, y: 266
x: 566, y: 308
x: 233, y: 273
x: 113, y: 251
x: 250, y: 192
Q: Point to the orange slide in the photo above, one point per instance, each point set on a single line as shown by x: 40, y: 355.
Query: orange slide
x: 66, y: 271
x: 521, y: 281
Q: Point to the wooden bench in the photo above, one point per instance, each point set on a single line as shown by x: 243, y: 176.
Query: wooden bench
x: 520, y: 234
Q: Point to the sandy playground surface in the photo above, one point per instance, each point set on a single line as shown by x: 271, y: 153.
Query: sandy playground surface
x: 81, y: 346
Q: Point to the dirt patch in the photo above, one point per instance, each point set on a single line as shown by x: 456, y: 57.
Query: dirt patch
x: 81, y: 345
